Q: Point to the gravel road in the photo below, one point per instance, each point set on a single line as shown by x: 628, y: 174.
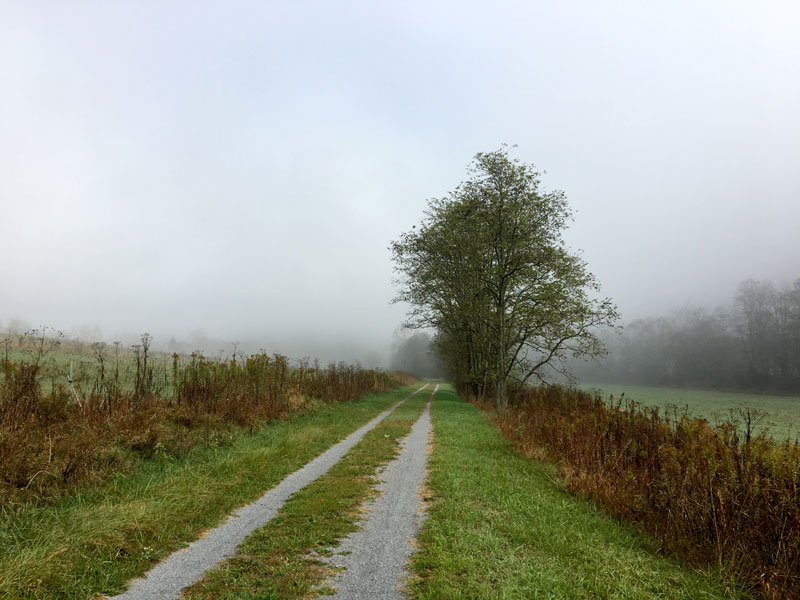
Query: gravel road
x: 375, y: 556
x: 182, y: 568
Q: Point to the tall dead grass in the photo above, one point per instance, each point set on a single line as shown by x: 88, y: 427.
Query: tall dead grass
x: 716, y: 494
x: 54, y: 441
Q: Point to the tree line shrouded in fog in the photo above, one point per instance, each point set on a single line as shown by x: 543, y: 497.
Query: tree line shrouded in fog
x: 488, y: 270
x: 751, y: 344
x: 415, y: 354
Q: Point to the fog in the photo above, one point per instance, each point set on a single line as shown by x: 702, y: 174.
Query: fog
x: 236, y: 170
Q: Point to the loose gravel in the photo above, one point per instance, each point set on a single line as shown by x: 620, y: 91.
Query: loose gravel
x: 375, y: 557
x: 184, y: 567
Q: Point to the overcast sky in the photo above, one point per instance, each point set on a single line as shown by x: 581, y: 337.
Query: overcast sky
x: 241, y: 167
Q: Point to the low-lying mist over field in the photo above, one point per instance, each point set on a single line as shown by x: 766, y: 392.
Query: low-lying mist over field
x: 220, y: 172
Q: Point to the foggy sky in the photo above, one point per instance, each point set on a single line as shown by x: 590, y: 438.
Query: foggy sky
x: 241, y: 167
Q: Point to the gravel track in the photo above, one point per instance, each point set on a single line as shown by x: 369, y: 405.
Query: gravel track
x: 375, y: 556
x: 184, y: 567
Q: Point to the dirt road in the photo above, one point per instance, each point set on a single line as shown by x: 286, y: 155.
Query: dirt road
x: 184, y: 567
x: 375, y: 557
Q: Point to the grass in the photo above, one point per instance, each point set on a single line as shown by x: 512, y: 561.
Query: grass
x: 502, y: 526
x: 58, y: 353
x: 782, y: 412
x: 95, y: 541
x: 279, y: 560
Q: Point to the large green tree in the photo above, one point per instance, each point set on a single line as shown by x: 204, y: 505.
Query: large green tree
x: 488, y: 270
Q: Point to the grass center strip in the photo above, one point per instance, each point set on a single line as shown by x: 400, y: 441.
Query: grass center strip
x: 375, y: 557
x: 96, y: 541
x: 503, y: 526
x: 281, y: 560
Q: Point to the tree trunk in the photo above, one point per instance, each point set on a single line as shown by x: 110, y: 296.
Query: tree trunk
x: 501, y: 400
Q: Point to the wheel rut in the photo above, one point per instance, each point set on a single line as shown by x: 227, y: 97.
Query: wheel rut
x: 374, y: 558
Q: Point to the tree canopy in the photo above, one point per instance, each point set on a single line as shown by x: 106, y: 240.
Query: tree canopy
x: 488, y: 270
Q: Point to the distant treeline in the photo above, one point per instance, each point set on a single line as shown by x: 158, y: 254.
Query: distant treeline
x: 415, y: 355
x: 751, y: 344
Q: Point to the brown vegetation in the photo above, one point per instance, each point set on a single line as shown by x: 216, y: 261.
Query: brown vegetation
x: 54, y: 439
x: 709, y: 494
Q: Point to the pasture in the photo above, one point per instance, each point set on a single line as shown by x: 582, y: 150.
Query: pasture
x: 781, y: 414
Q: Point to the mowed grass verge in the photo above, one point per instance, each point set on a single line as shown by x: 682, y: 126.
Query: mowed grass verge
x: 782, y: 420
x: 279, y: 560
x: 502, y: 526
x: 95, y: 541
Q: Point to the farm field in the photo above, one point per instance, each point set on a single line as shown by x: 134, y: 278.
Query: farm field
x: 782, y: 419
x: 56, y: 354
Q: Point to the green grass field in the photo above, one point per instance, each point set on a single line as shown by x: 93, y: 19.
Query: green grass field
x: 782, y: 412
x: 59, y: 354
